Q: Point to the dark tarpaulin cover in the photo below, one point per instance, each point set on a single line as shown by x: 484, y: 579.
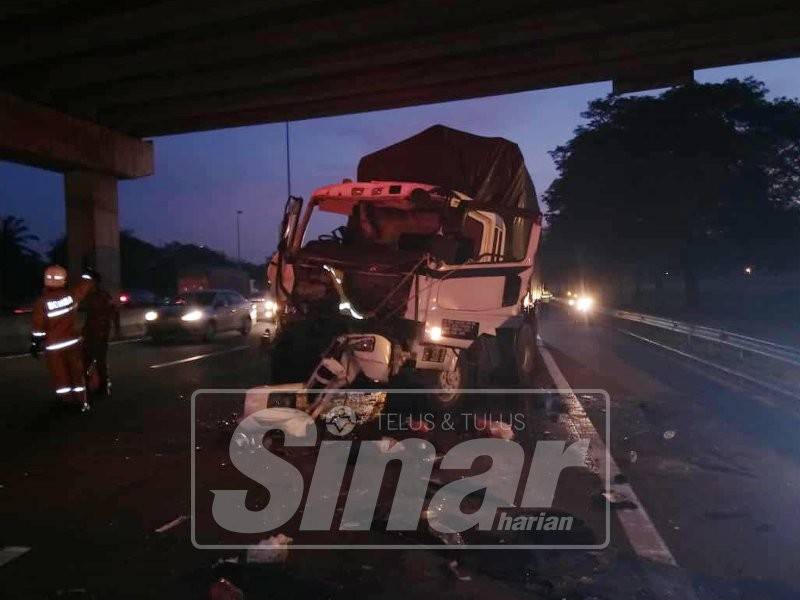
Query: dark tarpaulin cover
x: 486, y: 169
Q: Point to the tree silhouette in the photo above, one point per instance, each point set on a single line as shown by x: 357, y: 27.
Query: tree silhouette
x: 16, y: 257
x: 702, y: 179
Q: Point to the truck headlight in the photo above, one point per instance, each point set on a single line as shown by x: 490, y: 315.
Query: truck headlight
x: 194, y: 315
x: 150, y: 315
x: 433, y: 333
x: 270, y: 305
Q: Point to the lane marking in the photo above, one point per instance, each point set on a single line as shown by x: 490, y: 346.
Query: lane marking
x: 9, y: 553
x: 642, y: 534
x: 198, y: 357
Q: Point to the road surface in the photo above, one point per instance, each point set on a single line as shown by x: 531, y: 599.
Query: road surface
x: 709, y: 466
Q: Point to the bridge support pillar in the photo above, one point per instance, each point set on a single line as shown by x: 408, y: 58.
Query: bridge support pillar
x: 92, y: 225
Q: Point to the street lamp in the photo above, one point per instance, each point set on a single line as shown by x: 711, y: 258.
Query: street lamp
x: 238, y: 238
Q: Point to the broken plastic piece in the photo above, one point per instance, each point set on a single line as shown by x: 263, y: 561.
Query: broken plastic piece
x: 272, y: 550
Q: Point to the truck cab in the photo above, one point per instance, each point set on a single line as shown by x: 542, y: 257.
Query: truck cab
x: 443, y: 277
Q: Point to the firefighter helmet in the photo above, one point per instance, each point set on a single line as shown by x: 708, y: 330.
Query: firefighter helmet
x: 55, y: 276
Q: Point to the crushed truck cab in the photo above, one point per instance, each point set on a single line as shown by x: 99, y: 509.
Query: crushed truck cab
x: 445, y: 277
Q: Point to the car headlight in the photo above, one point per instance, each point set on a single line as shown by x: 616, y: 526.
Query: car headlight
x: 584, y: 303
x: 150, y: 315
x: 194, y: 315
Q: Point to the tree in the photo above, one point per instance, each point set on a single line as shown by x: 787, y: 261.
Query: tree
x: 17, y: 259
x: 704, y: 178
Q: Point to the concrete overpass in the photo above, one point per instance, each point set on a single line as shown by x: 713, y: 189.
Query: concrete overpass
x: 83, y: 81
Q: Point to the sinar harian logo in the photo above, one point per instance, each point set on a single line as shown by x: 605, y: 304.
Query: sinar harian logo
x: 340, y: 420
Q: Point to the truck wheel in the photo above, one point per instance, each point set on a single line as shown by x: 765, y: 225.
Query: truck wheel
x: 450, y: 383
x: 526, y: 354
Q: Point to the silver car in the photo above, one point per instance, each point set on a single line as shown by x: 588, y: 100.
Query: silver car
x: 202, y: 314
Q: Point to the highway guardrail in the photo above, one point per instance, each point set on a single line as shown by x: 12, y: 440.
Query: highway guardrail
x: 767, y: 363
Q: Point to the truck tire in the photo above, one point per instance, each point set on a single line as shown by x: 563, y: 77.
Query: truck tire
x: 450, y: 383
x: 526, y: 354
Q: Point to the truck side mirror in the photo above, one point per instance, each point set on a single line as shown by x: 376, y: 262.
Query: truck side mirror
x: 291, y: 216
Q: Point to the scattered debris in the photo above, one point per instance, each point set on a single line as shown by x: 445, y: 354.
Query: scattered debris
x: 224, y: 590
x: 452, y: 566
x: 497, y: 429
x: 616, y: 500
x: 9, y: 553
x: 386, y: 443
x: 174, y: 523
x: 367, y: 567
x: 272, y: 550
x: 669, y: 434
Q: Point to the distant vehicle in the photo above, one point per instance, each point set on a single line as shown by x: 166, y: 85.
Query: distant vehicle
x: 201, y: 314
x: 265, y: 306
x: 209, y: 278
x: 137, y: 297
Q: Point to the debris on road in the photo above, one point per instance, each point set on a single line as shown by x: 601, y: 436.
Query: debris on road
x: 272, y: 550
x: 224, y: 590
x: 9, y: 553
x: 386, y: 444
x: 669, y: 434
x: 452, y: 566
x: 497, y: 429
x: 174, y: 523
x: 616, y: 500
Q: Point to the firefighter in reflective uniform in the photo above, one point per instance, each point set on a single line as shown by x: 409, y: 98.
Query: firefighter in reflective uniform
x: 101, y: 312
x: 53, y: 330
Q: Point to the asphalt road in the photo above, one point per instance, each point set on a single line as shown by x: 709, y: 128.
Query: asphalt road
x: 709, y: 466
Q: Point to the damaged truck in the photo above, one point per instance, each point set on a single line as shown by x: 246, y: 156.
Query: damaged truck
x: 425, y: 278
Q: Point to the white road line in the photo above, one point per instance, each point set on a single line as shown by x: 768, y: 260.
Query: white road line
x: 639, y: 528
x: 198, y: 357
x: 9, y: 553
x: 750, y: 378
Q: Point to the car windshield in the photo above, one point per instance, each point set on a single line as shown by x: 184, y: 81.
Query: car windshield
x: 193, y: 299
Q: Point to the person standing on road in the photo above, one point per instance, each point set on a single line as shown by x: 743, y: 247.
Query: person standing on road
x: 101, y: 312
x: 53, y: 330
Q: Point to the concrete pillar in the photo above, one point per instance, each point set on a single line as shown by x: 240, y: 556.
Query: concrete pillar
x: 93, y: 225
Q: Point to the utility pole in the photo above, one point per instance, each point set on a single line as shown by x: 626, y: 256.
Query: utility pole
x: 238, y: 239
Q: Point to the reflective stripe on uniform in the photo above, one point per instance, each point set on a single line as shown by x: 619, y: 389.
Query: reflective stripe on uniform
x: 38, y: 333
x: 80, y: 388
x: 64, y: 344
x: 59, y: 312
x: 64, y: 390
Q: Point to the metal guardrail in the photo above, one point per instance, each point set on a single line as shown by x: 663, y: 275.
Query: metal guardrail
x: 769, y: 364
x: 765, y: 348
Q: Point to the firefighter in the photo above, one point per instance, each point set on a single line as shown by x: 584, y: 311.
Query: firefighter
x: 53, y: 330
x: 101, y: 312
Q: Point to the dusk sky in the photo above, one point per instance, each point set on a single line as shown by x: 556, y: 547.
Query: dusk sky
x: 201, y: 179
